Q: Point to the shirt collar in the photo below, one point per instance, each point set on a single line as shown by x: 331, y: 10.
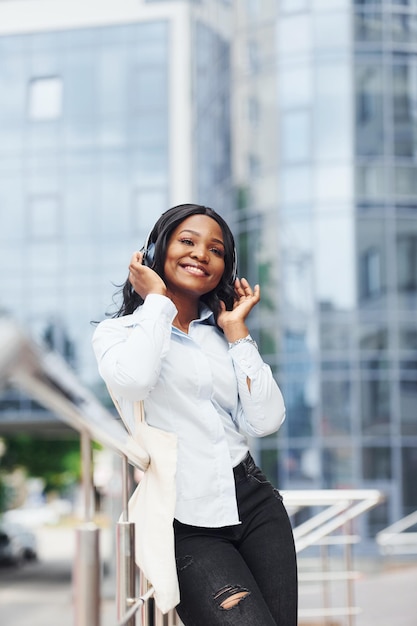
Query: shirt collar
x: 206, y: 315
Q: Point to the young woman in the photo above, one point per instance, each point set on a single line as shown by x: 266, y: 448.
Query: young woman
x: 189, y: 355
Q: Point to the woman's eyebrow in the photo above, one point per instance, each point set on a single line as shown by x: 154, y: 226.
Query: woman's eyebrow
x: 195, y: 232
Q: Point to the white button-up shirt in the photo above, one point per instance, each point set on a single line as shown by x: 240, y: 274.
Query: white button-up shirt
x: 195, y: 386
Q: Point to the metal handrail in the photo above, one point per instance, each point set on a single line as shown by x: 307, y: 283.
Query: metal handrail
x: 335, y: 511
x: 46, y: 377
x: 395, y: 540
x: 343, y: 505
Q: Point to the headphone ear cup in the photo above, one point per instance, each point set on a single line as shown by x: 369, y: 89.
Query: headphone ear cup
x: 149, y: 255
x: 234, y: 271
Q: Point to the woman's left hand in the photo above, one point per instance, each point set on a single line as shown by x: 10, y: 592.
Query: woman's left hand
x: 233, y: 322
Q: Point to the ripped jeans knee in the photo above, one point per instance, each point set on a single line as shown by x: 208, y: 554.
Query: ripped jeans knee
x: 230, y: 596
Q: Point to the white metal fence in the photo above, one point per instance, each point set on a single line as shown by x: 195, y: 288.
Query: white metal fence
x: 397, y: 538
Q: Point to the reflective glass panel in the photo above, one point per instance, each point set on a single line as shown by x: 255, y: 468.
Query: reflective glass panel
x: 334, y: 246
x: 302, y: 466
x: 405, y: 181
x: 404, y: 28
x: 296, y: 185
x: 409, y: 466
x: 336, y: 406
x: 332, y: 112
x: 404, y: 109
x: 295, y: 136
x: 294, y: 37
x: 375, y: 403
x: 45, y: 98
x: 293, y: 6
x: 369, y: 109
x: 368, y: 26
x: 337, y: 467
x: 377, y: 463
x: 295, y: 87
x: 331, y: 30
x: 44, y: 217
x: 372, y: 259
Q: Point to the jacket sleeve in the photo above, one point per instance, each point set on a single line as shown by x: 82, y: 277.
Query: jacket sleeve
x: 261, y: 408
x: 129, y: 350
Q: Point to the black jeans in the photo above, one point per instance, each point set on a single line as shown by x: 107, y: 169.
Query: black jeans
x: 243, y: 575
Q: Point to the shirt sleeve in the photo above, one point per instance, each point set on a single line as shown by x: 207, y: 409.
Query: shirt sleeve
x: 261, y: 409
x: 129, y: 350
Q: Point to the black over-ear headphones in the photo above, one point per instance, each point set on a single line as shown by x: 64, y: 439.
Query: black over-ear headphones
x: 148, y: 252
x: 148, y: 258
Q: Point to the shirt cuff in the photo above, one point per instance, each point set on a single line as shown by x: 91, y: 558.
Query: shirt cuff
x: 247, y: 357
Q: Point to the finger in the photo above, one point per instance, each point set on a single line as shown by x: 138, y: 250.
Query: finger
x: 246, y: 287
x: 239, y: 288
x: 135, y: 260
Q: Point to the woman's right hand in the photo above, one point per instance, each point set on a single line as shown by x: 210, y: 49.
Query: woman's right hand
x: 143, y: 279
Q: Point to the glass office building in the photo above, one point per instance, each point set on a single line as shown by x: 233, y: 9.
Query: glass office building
x: 105, y: 123
x: 345, y: 277
x: 103, y: 126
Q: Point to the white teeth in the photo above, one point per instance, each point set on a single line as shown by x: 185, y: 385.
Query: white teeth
x: 194, y: 270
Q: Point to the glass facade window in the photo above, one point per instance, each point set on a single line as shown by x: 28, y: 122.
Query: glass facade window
x: 370, y: 273
x: 337, y: 467
x: 375, y: 400
x: 84, y: 143
x: 295, y: 86
x: 149, y: 89
x: 371, y: 182
x: 370, y: 111
x: 293, y: 6
x: 367, y: 2
x: 295, y: 136
x: 253, y: 56
x: 332, y: 111
x: 405, y: 109
x: 403, y: 28
x: 294, y: 36
x: 369, y: 25
x: 409, y: 472
x: 44, y: 217
x: 253, y: 111
x: 211, y: 91
x: 405, y: 184
x: 377, y: 463
x: 407, y: 262
x: 147, y: 203
x: 45, y: 98
x: 336, y: 397
x: 408, y: 378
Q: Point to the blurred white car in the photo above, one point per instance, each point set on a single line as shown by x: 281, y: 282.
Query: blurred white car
x: 17, y: 544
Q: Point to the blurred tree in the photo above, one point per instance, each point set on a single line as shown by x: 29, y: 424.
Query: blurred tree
x: 56, y: 461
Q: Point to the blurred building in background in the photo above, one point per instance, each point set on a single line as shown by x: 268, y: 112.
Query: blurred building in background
x: 110, y: 112
x: 297, y: 120
x: 328, y: 164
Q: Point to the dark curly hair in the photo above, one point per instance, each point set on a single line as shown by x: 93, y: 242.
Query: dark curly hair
x: 160, y: 235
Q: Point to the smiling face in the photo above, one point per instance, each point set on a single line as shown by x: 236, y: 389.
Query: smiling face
x: 194, y: 262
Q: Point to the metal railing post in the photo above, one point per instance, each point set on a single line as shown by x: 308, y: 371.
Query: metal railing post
x: 348, y: 567
x: 125, y: 554
x: 86, y: 575
x: 324, y: 550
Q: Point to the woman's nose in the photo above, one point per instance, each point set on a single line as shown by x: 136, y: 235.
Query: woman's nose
x: 201, y: 253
